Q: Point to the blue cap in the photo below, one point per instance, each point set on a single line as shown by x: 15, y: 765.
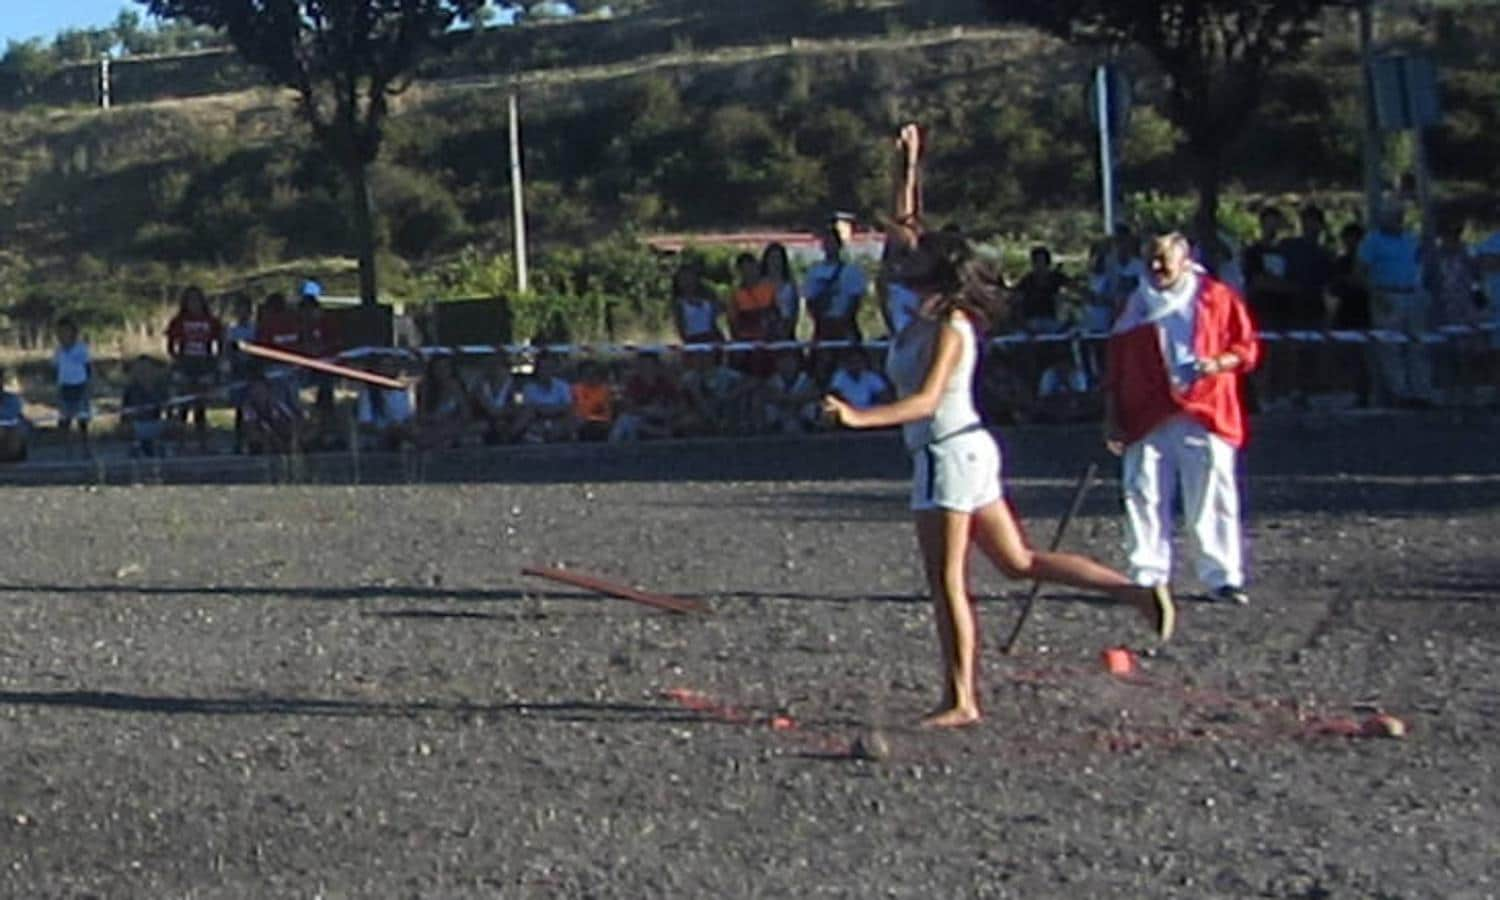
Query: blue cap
x: 311, y: 288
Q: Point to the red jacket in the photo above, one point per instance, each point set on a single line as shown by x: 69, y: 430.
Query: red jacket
x: 1141, y: 393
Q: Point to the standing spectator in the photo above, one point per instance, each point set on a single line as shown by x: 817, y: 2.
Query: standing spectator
x: 1351, y: 306
x: 15, y: 430
x: 593, y: 402
x: 75, y: 372
x: 652, y: 404
x: 277, y: 325
x: 317, y: 336
x: 1173, y: 412
x: 236, y: 362
x: 1309, y: 272
x: 1390, y: 263
x: 776, y: 268
x: 546, y: 411
x: 834, y: 289
x: 695, y: 309
x: 752, y: 316
x: 1038, y: 292
x: 856, y: 383
x: 1451, y: 276
x: 1487, y: 260
x: 789, y: 397
x: 143, y: 407
x: 195, y: 339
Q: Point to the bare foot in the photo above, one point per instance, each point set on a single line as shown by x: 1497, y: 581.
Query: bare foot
x: 954, y: 717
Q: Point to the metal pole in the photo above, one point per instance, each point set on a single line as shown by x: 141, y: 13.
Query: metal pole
x: 1373, y: 150
x: 518, y: 197
x: 1106, y: 146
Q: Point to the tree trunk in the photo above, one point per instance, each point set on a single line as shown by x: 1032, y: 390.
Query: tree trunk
x: 1206, y: 179
x: 364, y: 231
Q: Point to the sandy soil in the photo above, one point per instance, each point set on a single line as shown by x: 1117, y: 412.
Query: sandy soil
x: 271, y: 680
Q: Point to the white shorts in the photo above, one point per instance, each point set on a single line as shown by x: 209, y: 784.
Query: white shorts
x: 961, y: 474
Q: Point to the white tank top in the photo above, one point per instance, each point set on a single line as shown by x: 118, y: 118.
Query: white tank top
x: 907, y: 363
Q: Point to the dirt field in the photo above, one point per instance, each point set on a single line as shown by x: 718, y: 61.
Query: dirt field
x: 244, y: 688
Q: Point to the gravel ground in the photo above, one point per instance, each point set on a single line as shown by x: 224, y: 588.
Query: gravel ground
x: 269, y: 680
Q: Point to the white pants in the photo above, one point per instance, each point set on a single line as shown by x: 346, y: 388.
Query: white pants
x: 1182, y: 453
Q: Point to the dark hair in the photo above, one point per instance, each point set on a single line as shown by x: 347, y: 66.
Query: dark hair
x: 945, y: 265
x: 775, y: 249
x: 1040, y: 251
x: 67, y: 322
x: 190, y: 293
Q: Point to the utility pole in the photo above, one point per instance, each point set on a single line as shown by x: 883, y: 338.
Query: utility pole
x: 1373, y: 150
x: 518, y: 197
x: 1104, y: 114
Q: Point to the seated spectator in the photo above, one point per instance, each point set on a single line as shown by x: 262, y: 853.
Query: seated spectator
x: 717, y: 394
x: 652, y: 405
x: 1064, y: 392
x: 1005, y: 399
x: 856, y: 383
x: 143, y: 407
x: 442, y: 405
x: 493, y: 398
x: 271, y: 424
x: 1038, y: 292
x: 789, y: 398
x: 593, y: 403
x: 545, y: 414
x: 386, y: 416
x: 15, y: 430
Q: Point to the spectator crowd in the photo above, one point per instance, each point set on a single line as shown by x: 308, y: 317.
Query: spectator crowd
x: 1387, y: 280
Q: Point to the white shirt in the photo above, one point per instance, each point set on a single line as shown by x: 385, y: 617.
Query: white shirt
x: 395, y: 408
x: 697, y: 316
x: 844, y: 295
x: 860, y: 391
x: 72, y: 364
x: 1058, y: 380
x: 788, y: 301
x: 907, y: 363
x: 552, y: 392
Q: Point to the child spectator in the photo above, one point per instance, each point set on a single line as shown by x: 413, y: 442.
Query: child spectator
x: 75, y: 371
x: 272, y: 425
x: 442, y: 405
x: 776, y: 268
x: 652, y: 404
x: 236, y: 362
x: 15, y: 430
x: 385, y: 415
x: 143, y: 407
x: 593, y: 403
x: 718, y: 395
x: 789, y: 398
x: 695, y: 310
x: 492, y: 398
x: 195, y: 338
x: 856, y: 383
x: 546, y: 411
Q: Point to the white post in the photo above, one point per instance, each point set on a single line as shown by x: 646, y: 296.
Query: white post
x: 518, y: 197
x: 1106, y: 146
x: 104, y: 81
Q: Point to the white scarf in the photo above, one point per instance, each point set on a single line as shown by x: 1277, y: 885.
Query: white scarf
x: 1152, y: 304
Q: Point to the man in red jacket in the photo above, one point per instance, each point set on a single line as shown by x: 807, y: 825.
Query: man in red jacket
x: 1179, y: 349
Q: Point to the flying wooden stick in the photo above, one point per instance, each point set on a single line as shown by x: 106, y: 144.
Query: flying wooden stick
x: 600, y: 586
x: 1084, y: 482
x: 318, y: 365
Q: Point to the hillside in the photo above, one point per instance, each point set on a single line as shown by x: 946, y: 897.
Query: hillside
x: 689, y: 122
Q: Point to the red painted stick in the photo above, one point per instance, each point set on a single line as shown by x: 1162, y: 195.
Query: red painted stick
x: 318, y: 365
x: 600, y: 586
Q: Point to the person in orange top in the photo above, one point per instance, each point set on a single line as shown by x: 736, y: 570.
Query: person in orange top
x: 593, y: 403
x: 1178, y: 352
x: 752, y: 316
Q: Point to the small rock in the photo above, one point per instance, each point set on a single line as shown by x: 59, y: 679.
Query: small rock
x: 871, y: 746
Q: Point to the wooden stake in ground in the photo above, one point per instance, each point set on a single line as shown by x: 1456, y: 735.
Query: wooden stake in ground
x: 318, y: 365
x: 600, y: 586
x: 1085, y: 481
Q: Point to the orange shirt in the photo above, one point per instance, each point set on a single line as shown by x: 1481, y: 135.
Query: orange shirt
x: 756, y: 297
x: 593, y: 402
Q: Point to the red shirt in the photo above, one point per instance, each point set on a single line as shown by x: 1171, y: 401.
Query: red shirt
x: 319, y: 338
x: 196, y: 336
x: 282, y: 330
x: 1142, y: 394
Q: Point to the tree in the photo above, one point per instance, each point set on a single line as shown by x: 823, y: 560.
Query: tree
x: 1216, y: 56
x: 345, y: 59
